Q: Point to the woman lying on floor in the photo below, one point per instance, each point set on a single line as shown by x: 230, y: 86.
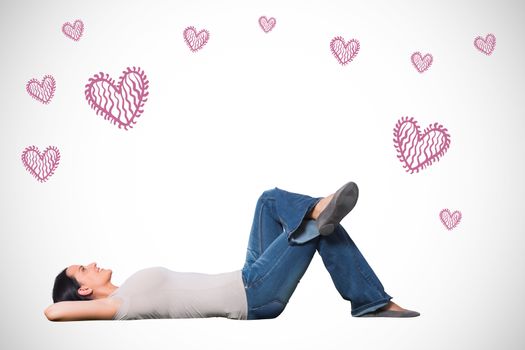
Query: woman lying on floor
x: 287, y: 229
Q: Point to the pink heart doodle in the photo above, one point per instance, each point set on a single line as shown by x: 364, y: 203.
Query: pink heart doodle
x: 415, y: 150
x: 120, y: 103
x: 42, y: 91
x: 486, y: 45
x: 196, y: 40
x: 73, y: 31
x: 266, y: 24
x: 39, y: 165
x: 421, y: 63
x: 344, y: 52
x: 450, y: 220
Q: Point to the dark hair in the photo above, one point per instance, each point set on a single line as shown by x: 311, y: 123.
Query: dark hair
x: 65, y: 288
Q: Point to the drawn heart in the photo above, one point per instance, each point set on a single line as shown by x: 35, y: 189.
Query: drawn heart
x: 421, y: 63
x: 42, y: 165
x: 266, y: 24
x: 121, y: 103
x: 450, y: 220
x: 196, y: 40
x: 73, y: 31
x: 418, y: 150
x: 344, y: 52
x: 42, y: 91
x: 486, y: 45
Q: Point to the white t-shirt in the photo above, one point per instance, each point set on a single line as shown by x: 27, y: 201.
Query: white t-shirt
x: 158, y: 292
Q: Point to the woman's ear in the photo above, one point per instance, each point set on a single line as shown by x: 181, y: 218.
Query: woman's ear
x: 84, y: 291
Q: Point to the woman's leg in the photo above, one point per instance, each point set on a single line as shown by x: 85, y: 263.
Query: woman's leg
x: 273, y: 265
x: 352, y: 276
x: 277, y: 211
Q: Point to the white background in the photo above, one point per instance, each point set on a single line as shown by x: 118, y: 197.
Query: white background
x: 248, y: 112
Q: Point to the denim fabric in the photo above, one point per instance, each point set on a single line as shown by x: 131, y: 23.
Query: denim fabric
x: 281, y: 245
x: 304, y: 233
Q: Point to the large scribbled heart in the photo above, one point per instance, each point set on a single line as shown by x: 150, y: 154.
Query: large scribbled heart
x: 73, y: 31
x: 42, y: 165
x: 266, y: 24
x: 42, y: 91
x: 195, y: 40
x: 418, y: 150
x: 421, y: 63
x: 486, y: 45
x: 121, y: 103
x: 344, y: 52
x: 450, y: 220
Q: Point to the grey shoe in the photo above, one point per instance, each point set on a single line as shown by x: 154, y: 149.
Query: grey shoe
x: 391, y: 313
x: 341, y: 204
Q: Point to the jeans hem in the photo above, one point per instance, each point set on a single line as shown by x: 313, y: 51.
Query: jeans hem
x: 302, y: 216
x: 370, y: 307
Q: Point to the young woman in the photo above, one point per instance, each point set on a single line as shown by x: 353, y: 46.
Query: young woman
x: 287, y: 229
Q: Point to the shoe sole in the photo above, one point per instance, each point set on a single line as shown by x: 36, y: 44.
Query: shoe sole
x: 342, y: 203
x: 392, y: 313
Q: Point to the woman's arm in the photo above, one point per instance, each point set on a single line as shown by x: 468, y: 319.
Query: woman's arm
x: 99, y: 309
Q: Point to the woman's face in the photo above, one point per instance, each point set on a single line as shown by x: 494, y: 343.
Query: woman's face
x: 89, y: 276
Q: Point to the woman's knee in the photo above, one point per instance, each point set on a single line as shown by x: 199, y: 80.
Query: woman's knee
x: 268, y: 194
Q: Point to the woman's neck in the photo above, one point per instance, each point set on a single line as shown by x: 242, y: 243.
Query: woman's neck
x: 104, y: 291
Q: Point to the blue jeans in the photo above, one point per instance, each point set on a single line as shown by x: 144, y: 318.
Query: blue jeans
x: 275, y: 262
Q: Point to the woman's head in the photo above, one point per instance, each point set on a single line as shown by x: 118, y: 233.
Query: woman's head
x: 78, y: 282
